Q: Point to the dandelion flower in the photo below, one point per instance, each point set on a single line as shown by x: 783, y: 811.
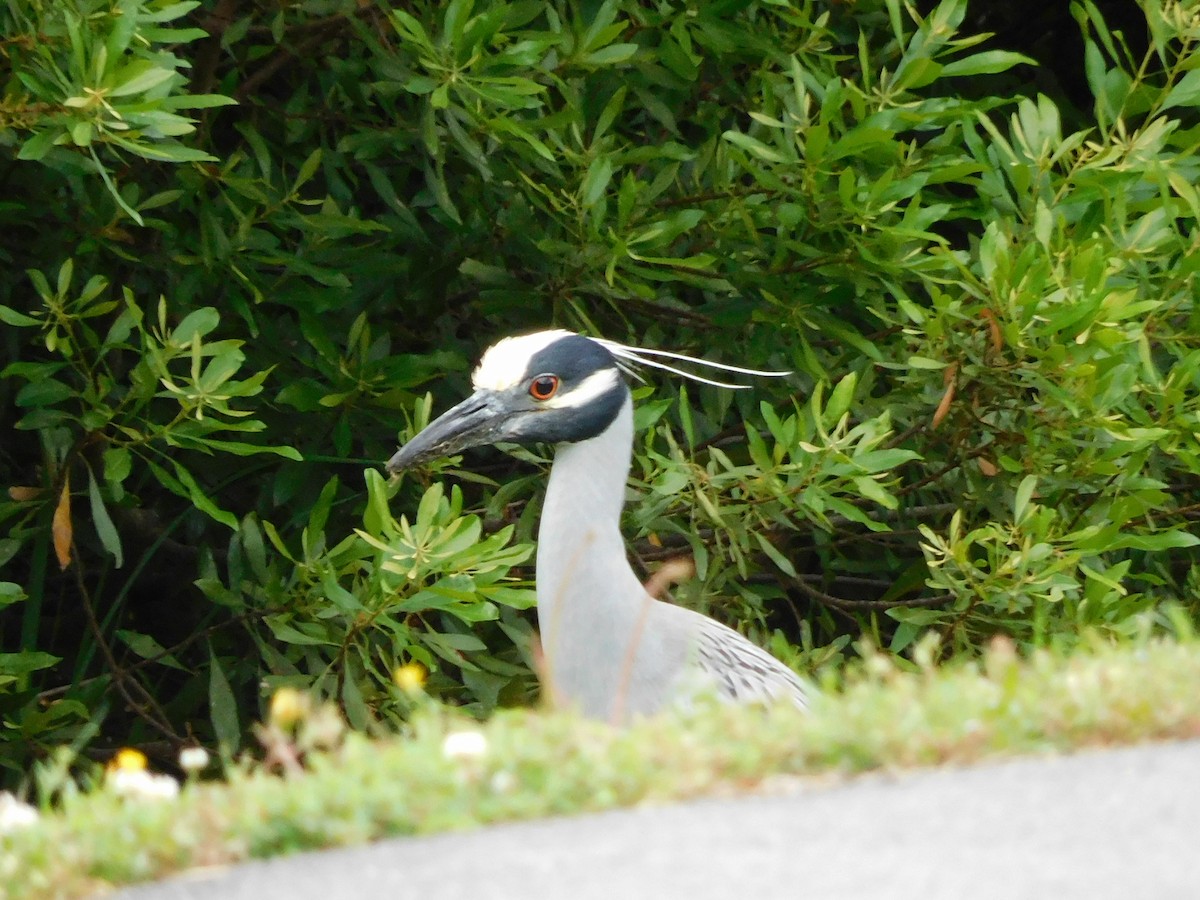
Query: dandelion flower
x: 410, y: 677
x: 288, y: 707
x: 129, y: 760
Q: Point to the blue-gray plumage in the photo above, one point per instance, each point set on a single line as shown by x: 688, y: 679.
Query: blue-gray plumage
x: 609, y: 648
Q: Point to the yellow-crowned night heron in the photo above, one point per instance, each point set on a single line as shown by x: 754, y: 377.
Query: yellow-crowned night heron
x: 609, y: 649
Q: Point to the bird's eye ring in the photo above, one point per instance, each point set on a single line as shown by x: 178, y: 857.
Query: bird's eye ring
x: 543, y: 387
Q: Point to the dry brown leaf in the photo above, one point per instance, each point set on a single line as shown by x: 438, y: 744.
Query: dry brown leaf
x: 988, y: 468
x: 23, y: 493
x: 948, y: 397
x: 673, y: 571
x: 994, y: 333
x: 61, y: 529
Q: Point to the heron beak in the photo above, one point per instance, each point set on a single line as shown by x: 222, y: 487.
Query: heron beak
x: 474, y: 422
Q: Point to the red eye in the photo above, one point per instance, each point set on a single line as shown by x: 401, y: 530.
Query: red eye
x: 543, y: 387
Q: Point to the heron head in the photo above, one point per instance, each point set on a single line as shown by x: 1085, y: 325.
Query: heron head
x: 549, y: 386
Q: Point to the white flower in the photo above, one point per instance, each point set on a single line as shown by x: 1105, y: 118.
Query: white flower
x: 15, y: 813
x: 193, y: 759
x: 138, y: 783
x: 503, y: 782
x: 464, y: 745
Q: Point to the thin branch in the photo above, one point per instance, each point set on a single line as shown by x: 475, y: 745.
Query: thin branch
x: 148, y: 708
x: 240, y: 618
x: 282, y: 57
x: 842, y: 604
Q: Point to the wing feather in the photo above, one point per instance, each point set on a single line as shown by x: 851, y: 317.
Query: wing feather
x: 743, y: 671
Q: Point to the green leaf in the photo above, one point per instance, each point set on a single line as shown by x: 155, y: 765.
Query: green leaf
x: 610, y: 112
x: 986, y: 63
x: 516, y: 598
x: 314, y: 531
x: 174, y: 35
x: 874, y: 461
x: 198, y: 101
x: 184, y: 485
x: 916, y: 72
x: 344, y: 600
x: 81, y: 133
x: 307, y: 169
x: 840, y: 399
x: 148, y: 648
x: 138, y: 77
x: 118, y: 463
x: 1163, y: 540
x: 355, y: 707
x: 105, y: 528
x: 754, y: 146
x: 595, y: 181
x: 251, y: 538
x: 305, y: 634
x: 36, y: 147
x: 26, y: 662
x: 667, y: 229
x: 222, y: 707
x: 782, y: 562
x: 376, y: 515
x: 10, y: 316
x: 455, y: 643
x: 610, y: 55
x: 859, y: 140
x: 10, y: 592
x: 240, y: 448
x: 102, y: 171
x: 165, y: 151
x: 1186, y: 91
x: 46, y: 392
x: 430, y: 504
x: 905, y: 634
x: 1024, y: 494
x: 195, y: 324
x: 921, y: 362
x: 168, y: 13
x: 872, y: 490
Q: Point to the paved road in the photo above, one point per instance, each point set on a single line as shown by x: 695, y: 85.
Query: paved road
x: 1115, y: 824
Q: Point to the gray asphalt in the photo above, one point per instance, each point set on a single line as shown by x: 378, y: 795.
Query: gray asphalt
x: 1100, y: 824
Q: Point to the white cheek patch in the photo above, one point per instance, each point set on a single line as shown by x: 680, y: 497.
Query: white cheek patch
x: 595, y: 385
x: 505, y: 362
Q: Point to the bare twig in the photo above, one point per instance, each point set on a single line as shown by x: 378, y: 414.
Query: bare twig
x: 147, y: 708
x: 51, y: 693
x: 842, y: 604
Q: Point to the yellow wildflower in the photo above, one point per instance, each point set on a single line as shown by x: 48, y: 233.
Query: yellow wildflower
x: 410, y: 677
x: 288, y: 707
x: 128, y: 760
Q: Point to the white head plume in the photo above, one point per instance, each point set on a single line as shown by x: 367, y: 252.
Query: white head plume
x: 503, y: 364
x: 640, y: 356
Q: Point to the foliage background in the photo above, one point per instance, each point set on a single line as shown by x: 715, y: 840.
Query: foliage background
x: 243, y: 240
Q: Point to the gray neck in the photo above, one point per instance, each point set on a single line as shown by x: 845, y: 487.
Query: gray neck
x: 588, y: 596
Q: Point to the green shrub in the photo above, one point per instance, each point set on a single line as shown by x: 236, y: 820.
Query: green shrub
x: 982, y: 277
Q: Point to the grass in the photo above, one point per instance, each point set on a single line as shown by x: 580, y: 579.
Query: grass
x: 530, y: 763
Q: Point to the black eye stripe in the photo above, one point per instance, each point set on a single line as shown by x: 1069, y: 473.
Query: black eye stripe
x: 572, y: 358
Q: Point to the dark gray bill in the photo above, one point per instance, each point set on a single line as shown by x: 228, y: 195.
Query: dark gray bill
x: 474, y: 422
